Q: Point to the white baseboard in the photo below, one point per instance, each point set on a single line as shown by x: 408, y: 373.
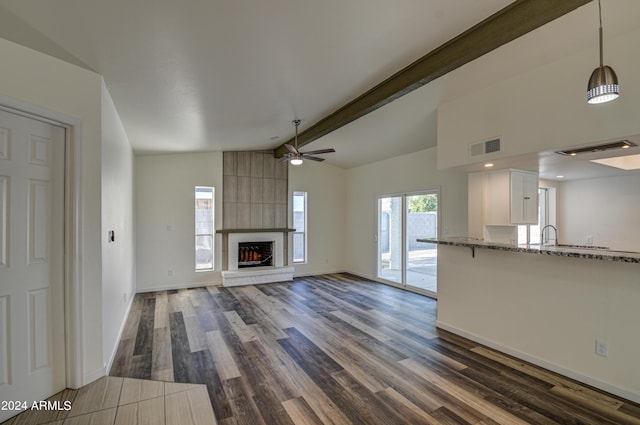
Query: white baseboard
x: 589, y: 380
x: 112, y: 357
x: 305, y: 274
x: 94, y: 375
x: 395, y: 285
x: 362, y: 275
x: 173, y: 287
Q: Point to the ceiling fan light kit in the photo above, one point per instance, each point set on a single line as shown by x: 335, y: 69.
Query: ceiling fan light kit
x: 603, y: 84
x: 295, y: 157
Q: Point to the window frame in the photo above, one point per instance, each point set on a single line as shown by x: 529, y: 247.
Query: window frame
x: 303, y: 232
x: 212, y: 226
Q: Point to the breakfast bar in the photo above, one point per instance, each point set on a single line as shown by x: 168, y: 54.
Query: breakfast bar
x: 572, y: 309
x: 589, y: 252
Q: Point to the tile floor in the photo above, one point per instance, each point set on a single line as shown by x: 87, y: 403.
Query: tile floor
x: 126, y: 401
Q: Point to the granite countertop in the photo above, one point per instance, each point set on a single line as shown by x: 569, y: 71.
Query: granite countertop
x: 576, y: 251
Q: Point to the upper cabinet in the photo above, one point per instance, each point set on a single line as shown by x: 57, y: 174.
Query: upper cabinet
x: 511, y: 198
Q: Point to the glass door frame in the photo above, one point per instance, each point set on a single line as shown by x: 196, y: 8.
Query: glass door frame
x: 403, y: 196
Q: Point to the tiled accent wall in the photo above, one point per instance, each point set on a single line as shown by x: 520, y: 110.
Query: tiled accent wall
x: 254, y: 191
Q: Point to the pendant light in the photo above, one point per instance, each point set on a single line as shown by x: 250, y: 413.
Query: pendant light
x: 603, y: 84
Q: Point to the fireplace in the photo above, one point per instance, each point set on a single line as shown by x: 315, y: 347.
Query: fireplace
x: 255, y: 254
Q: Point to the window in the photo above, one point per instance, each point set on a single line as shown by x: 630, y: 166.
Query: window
x: 530, y: 233
x: 204, y: 228
x: 300, y: 224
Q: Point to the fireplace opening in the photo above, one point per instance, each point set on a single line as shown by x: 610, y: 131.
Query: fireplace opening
x: 255, y: 254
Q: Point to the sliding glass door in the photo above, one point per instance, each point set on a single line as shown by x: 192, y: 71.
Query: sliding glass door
x: 390, y: 251
x: 402, y: 260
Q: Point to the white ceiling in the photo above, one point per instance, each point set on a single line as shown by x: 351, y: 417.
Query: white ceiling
x: 202, y: 75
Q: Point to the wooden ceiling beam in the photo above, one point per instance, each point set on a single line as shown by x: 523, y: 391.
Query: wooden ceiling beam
x: 511, y: 22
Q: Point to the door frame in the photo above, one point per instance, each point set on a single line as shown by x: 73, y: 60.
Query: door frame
x: 73, y: 212
x: 403, y: 285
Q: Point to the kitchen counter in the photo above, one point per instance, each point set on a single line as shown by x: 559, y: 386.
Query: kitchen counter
x: 548, y: 309
x: 575, y: 251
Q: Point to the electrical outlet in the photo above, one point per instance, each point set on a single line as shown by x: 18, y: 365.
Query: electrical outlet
x: 124, y: 297
x: 602, y: 348
x: 589, y: 240
x: 169, y: 272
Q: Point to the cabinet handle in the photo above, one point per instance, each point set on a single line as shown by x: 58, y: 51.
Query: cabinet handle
x: 526, y: 197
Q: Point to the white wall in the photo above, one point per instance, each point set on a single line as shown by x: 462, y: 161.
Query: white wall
x: 326, y: 206
x: 164, y: 188
x: 529, y: 119
x: 608, y: 209
x: 547, y: 310
x: 118, y: 257
x: 40, y: 83
x: 407, y: 173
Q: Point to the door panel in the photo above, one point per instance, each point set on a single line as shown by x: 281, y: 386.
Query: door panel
x: 4, y: 341
x: 421, y: 258
x: 401, y: 259
x: 4, y: 219
x: 390, y: 238
x: 32, y: 363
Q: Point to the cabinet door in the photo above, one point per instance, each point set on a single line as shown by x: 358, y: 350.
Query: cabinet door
x: 524, y: 198
x: 497, y: 198
x: 530, y: 215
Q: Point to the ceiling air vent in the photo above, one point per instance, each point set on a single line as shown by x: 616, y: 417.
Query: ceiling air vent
x: 483, y: 148
x: 622, y: 144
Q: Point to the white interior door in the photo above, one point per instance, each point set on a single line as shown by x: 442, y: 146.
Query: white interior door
x: 32, y: 362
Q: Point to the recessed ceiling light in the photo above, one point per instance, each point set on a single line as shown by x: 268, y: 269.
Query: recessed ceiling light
x: 488, y: 165
x: 274, y: 137
x: 559, y: 177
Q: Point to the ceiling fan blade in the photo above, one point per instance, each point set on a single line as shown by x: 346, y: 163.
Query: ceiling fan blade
x: 291, y: 149
x: 331, y: 150
x: 313, y: 158
x: 284, y: 158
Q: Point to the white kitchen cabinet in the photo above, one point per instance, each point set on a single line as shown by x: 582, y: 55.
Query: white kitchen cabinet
x: 511, y: 198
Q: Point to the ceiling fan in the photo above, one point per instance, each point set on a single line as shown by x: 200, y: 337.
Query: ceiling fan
x: 295, y: 157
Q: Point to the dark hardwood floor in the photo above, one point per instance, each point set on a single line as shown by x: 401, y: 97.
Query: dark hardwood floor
x: 337, y: 349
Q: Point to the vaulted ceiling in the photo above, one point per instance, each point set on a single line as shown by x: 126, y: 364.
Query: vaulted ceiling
x: 203, y: 75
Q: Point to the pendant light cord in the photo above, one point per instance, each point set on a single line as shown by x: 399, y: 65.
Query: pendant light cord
x: 600, y: 34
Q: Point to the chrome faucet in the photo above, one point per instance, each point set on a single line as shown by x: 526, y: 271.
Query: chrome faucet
x: 542, y: 234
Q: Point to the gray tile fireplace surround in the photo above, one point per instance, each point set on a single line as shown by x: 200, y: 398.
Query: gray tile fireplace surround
x: 254, y: 198
x: 254, y: 191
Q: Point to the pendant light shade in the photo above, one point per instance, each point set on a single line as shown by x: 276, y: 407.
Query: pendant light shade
x: 603, y: 84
